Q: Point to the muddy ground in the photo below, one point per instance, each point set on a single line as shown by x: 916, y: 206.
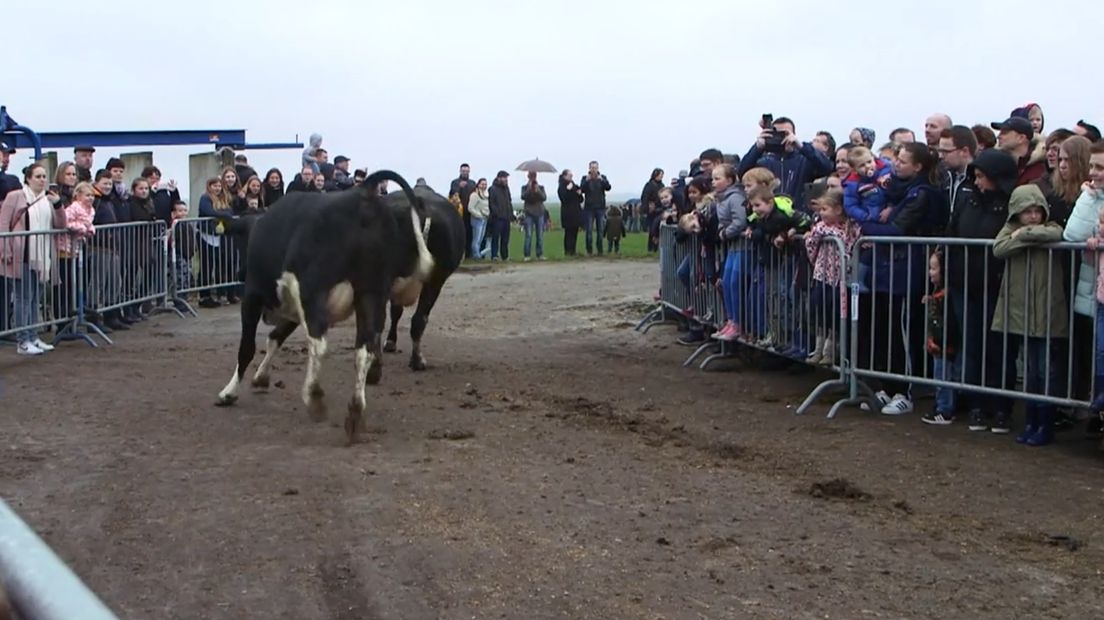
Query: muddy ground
x: 552, y: 463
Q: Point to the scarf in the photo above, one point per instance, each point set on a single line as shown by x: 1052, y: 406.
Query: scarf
x: 40, y: 220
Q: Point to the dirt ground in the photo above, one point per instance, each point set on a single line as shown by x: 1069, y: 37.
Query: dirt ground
x: 551, y: 463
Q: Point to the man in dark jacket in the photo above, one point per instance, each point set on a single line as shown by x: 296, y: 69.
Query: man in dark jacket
x: 594, y: 187
x: 8, y: 182
x: 463, y: 187
x: 243, y: 169
x: 82, y: 157
x: 793, y: 162
x: 502, y: 215
x: 341, y: 175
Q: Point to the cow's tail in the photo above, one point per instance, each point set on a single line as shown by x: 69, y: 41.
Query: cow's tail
x: 417, y: 207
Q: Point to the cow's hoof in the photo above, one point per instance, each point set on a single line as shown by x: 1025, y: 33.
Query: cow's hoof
x: 316, y: 408
x: 352, y: 423
x: 417, y: 364
x: 390, y: 346
x: 375, y: 373
x: 261, y: 382
x: 226, y: 401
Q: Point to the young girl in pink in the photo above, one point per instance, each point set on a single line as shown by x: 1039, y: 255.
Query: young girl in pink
x: 78, y: 221
x: 828, y: 297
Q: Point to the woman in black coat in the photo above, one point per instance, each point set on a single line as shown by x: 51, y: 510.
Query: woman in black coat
x: 649, y: 203
x: 571, y: 210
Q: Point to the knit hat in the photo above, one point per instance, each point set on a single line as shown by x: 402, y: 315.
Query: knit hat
x: 867, y: 135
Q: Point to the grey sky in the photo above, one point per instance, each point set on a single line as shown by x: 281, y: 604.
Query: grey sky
x: 419, y: 87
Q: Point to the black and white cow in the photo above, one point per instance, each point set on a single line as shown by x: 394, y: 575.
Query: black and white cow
x: 316, y: 259
x: 446, y: 244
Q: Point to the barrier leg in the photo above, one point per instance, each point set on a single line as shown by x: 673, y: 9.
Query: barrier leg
x: 71, y: 331
x: 660, y: 315
x: 702, y: 349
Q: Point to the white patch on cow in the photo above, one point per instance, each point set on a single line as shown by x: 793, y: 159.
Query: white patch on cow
x: 339, y: 303
x: 425, y: 259
x: 230, y: 392
x: 364, y: 361
x: 291, y: 304
x: 271, y: 347
x: 316, y: 350
x: 405, y: 291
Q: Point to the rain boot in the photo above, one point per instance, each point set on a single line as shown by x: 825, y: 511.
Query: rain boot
x: 1044, y: 432
x: 1031, y: 423
x: 817, y: 354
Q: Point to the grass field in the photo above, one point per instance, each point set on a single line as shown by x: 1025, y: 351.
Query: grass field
x: 635, y: 246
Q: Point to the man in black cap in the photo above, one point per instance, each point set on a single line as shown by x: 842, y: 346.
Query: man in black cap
x: 82, y: 157
x: 341, y: 175
x: 7, y: 182
x: 1015, y: 139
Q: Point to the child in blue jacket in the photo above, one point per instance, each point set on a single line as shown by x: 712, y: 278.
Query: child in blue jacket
x: 864, y: 195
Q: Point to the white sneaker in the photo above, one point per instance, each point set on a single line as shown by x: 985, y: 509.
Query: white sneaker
x: 898, y: 406
x: 42, y: 345
x: 882, y: 398
x: 29, y: 348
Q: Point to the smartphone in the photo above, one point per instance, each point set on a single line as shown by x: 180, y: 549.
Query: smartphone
x: 53, y: 188
x: 768, y: 120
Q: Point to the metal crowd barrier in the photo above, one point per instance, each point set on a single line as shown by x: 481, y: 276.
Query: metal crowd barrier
x: 38, y: 284
x: 204, y: 259
x: 878, y: 318
x: 39, y: 584
x: 1009, y: 349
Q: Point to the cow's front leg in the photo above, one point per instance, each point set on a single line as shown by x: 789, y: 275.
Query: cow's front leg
x: 276, y: 339
x: 313, y: 395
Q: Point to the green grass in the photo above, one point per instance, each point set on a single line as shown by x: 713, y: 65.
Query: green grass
x: 634, y: 246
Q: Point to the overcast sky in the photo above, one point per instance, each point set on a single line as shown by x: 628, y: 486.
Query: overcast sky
x: 420, y: 86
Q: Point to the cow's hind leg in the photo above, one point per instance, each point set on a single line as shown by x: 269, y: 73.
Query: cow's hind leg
x: 247, y: 347
x: 313, y: 395
x: 369, y: 323
x: 393, y: 334
x: 276, y: 339
x: 418, y: 324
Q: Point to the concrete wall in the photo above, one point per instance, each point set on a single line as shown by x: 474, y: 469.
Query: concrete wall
x: 50, y: 158
x: 134, y: 163
x: 203, y: 166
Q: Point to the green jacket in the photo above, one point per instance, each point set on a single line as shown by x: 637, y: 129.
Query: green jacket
x: 1033, y: 293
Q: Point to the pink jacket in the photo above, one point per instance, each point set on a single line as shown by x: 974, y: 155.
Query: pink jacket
x: 78, y: 219
x: 12, y: 219
x: 825, y: 256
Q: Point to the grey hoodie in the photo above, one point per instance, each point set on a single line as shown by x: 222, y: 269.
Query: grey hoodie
x: 731, y: 212
x: 308, y: 153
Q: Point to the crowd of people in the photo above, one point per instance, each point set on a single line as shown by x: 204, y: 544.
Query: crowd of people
x: 974, y: 309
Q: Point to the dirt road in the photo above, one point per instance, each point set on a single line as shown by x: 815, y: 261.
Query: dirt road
x: 552, y: 463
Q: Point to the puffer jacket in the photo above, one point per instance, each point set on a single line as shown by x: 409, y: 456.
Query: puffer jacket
x: 1082, y: 224
x: 1032, y: 299
x: 977, y: 215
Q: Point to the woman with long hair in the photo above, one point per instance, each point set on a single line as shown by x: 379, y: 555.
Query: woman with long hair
x: 30, y: 260
x: 252, y: 190
x: 273, y: 187
x: 214, y: 263
x: 479, y: 207
x: 1063, y: 185
x: 66, y: 180
x: 649, y: 203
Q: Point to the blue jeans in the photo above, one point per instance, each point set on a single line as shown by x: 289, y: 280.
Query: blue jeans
x: 479, y: 229
x: 1040, y: 369
x: 1099, y: 343
x: 534, y: 223
x: 945, y: 370
x: 731, y: 284
x: 594, y: 221
x: 684, y: 272
x: 28, y: 293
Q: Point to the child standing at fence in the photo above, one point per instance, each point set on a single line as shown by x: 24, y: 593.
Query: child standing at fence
x: 615, y: 228
x: 182, y: 247
x: 864, y: 195
x: 828, y: 297
x: 772, y: 224
x: 1032, y: 304
x: 942, y: 343
x: 732, y: 221
x: 79, y: 215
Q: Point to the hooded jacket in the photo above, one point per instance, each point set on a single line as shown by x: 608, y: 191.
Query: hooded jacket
x: 980, y: 215
x: 309, y: 157
x: 1032, y: 299
x: 732, y: 213
x: 502, y: 204
x: 1082, y: 224
x: 793, y: 169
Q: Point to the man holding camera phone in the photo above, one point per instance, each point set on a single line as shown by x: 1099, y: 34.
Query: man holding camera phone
x: 792, y: 161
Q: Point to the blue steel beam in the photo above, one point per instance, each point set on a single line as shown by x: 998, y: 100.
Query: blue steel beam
x: 270, y: 146
x: 69, y: 139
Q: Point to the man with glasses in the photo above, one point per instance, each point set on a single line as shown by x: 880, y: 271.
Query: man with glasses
x: 957, y: 147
